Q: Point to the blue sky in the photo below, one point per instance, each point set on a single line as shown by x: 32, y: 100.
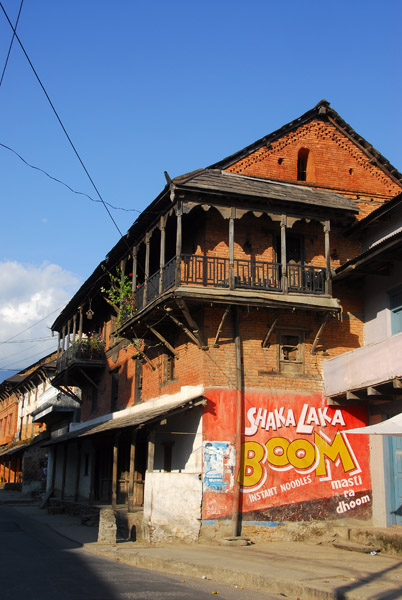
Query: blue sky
x: 143, y: 87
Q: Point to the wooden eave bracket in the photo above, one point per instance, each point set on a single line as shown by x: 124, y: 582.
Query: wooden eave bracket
x: 66, y: 390
x: 225, y: 314
x: 163, y: 340
x: 192, y: 324
x: 265, y: 343
x: 146, y: 358
x: 91, y: 381
x: 319, y: 333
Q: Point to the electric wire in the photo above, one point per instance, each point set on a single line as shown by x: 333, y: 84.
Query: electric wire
x: 60, y: 121
x: 30, y: 327
x: 27, y: 358
x: 65, y: 184
x: 11, y: 44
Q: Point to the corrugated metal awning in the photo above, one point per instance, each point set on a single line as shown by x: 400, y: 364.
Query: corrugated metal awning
x: 133, y: 420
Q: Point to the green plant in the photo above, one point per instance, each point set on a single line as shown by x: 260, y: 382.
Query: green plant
x: 119, y: 295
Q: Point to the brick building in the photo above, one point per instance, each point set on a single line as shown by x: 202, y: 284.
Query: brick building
x: 198, y: 343
x: 29, y: 408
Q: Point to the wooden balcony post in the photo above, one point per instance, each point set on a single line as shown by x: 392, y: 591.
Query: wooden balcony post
x: 54, y: 465
x: 179, y: 213
x: 147, y: 245
x: 92, y: 474
x: 231, y: 248
x: 77, y: 473
x: 122, y: 275
x: 130, y: 506
x: 151, y: 451
x: 328, y: 280
x: 63, y: 482
x: 134, y: 268
x: 74, y: 327
x: 283, y: 255
x: 162, y: 227
x: 68, y: 333
x: 114, y: 472
x: 58, y: 344
x: 80, y: 324
x: 63, y: 333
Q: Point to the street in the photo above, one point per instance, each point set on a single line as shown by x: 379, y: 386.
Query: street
x: 37, y: 563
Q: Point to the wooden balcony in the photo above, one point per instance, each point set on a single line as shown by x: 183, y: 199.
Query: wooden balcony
x: 216, y: 272
x: 79, y: 364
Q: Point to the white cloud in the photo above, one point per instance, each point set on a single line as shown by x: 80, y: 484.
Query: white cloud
x: 28, y: 294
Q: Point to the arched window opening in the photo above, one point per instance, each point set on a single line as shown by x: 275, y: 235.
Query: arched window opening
x: 302, y: 159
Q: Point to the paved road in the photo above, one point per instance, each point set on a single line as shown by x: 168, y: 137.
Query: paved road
x: 36, y: 563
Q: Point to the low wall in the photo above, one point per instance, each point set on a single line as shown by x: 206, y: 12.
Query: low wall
x: 172, y: 507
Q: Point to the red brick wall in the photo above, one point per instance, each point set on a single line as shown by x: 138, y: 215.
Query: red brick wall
x: 337, y: 163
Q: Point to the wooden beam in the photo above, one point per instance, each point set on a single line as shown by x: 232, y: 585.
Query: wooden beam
x: 63, y: 482
x: 78, y: 473
x: 194, y: 327
x: 151, y: 451
x: 179, y: 213
x: 114, y: 470
x: 328, y: 281
x: 66, y: 390
x: 271, y: 329
x: 397, y: 384
x: 134, y: 267
x: 80, y: 324
x: 92, y: 474
x: 225, y: 314
x: 183, y: 327
x: 283, y: 255
x: 319, y: 332
x: 163, y: 340
x: 353, y: 396
x: 130, y: 506
x: 145, y: 357
x: 231, y: 248
x: 91, y: 381
x: 372, y: 391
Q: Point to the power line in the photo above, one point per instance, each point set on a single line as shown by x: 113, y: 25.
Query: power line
x: 30, y: 327
x: 27, y: 341
x: 65, y: 184
x: 61, y: 123
x: 27, y: 358
x: 11, y: 43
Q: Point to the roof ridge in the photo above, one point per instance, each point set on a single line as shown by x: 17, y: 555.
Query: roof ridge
x: 322, y: 110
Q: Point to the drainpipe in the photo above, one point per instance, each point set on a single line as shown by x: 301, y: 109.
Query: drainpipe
x: 238, y: 409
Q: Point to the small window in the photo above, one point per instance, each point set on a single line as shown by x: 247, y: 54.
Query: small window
x: 291, y: 353
x: 302, y: 159
x: 168, y: 368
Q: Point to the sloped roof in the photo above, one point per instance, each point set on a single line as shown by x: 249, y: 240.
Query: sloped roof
x: 216, y: 181
x: 146, y: 415
x: 323, y: 112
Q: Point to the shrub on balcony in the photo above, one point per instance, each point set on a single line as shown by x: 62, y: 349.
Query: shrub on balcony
x: 119, y: 295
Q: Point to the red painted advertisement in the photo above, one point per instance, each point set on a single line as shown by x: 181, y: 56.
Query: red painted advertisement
x: 296, y: 463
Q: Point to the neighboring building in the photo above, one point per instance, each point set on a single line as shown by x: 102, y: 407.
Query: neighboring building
x: 372, y: 375
x: 29, y: 403
x: 197, y: 344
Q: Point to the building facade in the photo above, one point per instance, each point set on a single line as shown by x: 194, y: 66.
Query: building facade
x: 197, y: 345
x: 371, y: 375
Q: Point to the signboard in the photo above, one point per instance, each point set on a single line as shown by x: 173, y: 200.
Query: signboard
x: 296, y: 464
